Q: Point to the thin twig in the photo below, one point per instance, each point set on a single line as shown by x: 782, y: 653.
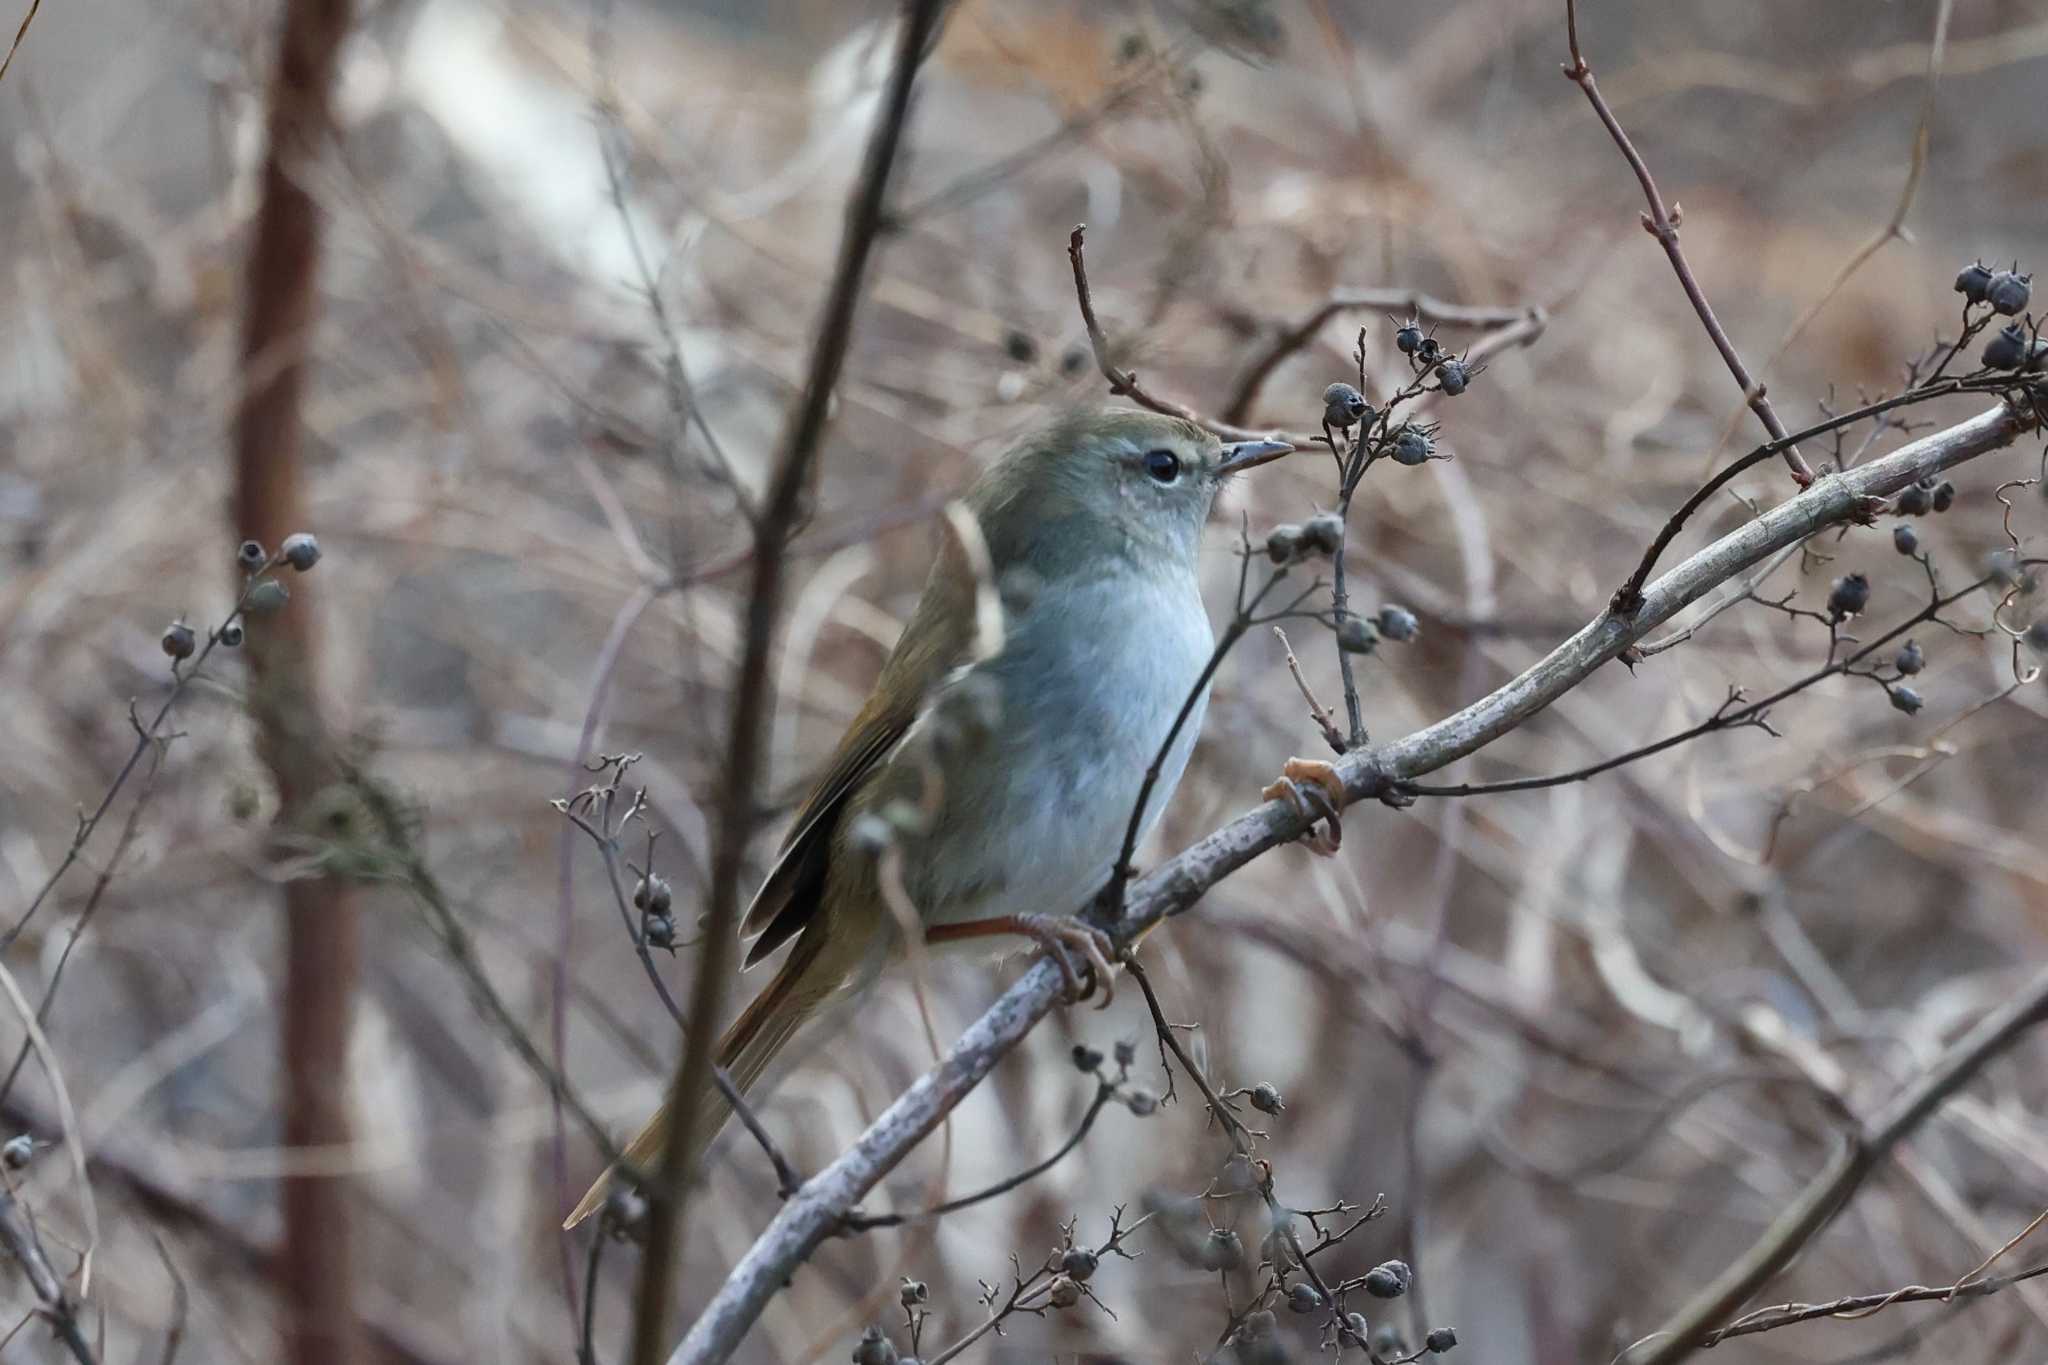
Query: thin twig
x: 1734, y: 713
x: 1663, y: 223
x: 751, y: 695
x: 181, y: 1303
x: 1863, y: 1305
x: 19, y: 34
x: 1104, y: 1093
x: 1528, y: 324
x: 26, y: 1250
x: 1630, y: 592
x: 85, y: 916
x: 1318, y: 712
x: 1124, y: 383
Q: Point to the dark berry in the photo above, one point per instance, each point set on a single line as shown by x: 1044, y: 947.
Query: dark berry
x: 913, y: 1292
x: 2008, y: 293
x: 1849, y: 595
x: 1428, y: 352
x: 1440, y: 1339
x: 1398, y: 623
x: 625, y: 1214
x: 1905, y: 540
x: 231, y: 635
x: 1079, y: 1264
x: 1915, y: 502
x: 1974, y: 282
x: 1303, y: 1298
x: 1910, y: 660
x: 874, y: 1349
x: 1356, y: 635
x: 1086, y: 1058
x: 1412, y: 446
x: 1389, y: 1279
x: 251, y: 556
x: 1409, y: 338
x: 267, y: 596
x: 1323, y: 533
x: 1452, y: 377
x: 1283, y: 544
x: 659, y: 930
x: 1944, y: 496
x: 1223, y: 1250
x: 300, y: 551
x: 2006, y: 350
x: 1019, y: 347
x: 1344, y: 407
x: 1905, y: 699
x: 1266, y: 1099
x: 653, y: 895
x: 179, y: 641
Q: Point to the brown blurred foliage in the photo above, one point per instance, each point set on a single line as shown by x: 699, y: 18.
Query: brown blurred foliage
x: 495, y: 469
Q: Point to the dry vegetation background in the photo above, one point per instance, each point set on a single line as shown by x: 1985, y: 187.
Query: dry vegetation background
x: 1477, y: 1008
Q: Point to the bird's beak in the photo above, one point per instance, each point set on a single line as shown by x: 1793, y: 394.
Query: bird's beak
x: 1250, y: 455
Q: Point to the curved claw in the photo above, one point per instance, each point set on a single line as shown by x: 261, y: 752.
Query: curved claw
x: 1059, y: 937
x: 1314, y: 788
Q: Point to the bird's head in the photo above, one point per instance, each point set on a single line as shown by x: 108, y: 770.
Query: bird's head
x: 1109, y: 483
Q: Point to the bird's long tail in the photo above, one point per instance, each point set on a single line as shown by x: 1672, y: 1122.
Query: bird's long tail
x: 805, y: 981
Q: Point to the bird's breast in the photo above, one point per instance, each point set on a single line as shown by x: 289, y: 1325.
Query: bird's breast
x: 1090, y: 680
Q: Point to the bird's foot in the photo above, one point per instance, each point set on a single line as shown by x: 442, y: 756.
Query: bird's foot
x: 1061, y: 937
x: 1316, y: 792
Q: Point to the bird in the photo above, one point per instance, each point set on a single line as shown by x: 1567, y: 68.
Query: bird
x: 987, y: 784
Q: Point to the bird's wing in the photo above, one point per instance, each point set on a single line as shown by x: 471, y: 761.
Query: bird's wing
x: 940, y: 631
x: 789, y: 897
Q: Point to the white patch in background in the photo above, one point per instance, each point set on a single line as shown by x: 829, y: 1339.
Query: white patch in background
x: 533, y: 141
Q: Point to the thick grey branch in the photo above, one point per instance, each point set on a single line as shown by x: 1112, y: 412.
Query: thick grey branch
x: 816, y: 1210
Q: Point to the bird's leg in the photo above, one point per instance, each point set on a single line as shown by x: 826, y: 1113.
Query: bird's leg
x: 1057, y: 934
x: 1313, y: 788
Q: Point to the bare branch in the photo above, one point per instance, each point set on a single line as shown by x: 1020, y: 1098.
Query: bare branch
x: 1662, y: 223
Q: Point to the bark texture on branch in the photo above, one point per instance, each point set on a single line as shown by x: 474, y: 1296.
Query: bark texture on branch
x: 315, y: 1273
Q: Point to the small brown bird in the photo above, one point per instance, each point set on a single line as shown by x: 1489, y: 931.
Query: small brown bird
x: 986, y: 785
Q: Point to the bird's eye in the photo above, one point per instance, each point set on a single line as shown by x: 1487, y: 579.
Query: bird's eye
x: 1162, y: 465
